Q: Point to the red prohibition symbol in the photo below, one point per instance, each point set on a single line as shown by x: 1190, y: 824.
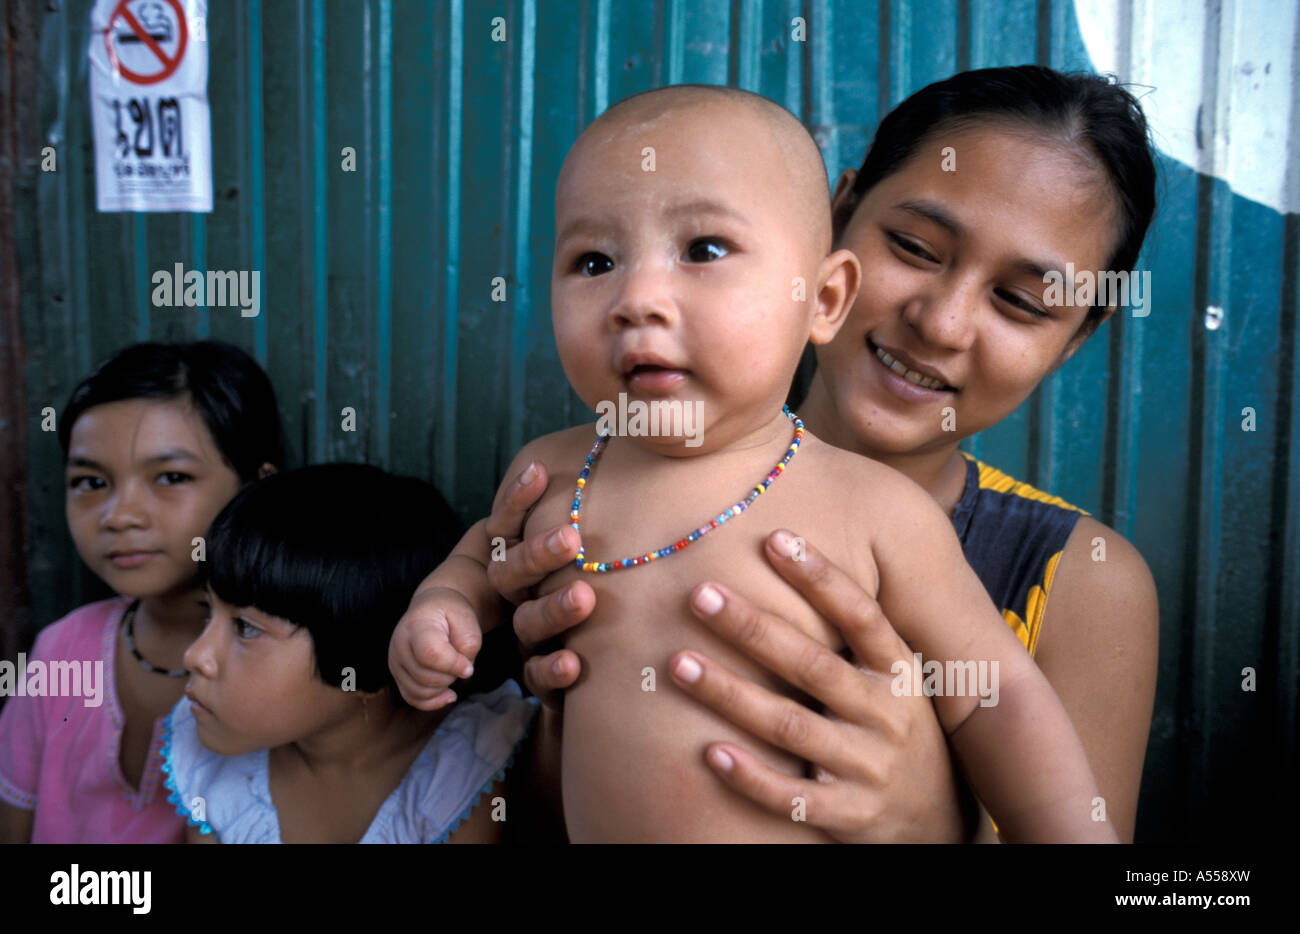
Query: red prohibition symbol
x: 142, y: 35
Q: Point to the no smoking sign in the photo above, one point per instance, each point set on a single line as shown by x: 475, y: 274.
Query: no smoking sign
x: 149, y: 105
x: 146, y: 39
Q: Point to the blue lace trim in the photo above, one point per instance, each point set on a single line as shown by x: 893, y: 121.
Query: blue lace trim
x: 169, y: 782
x: 500, y: 774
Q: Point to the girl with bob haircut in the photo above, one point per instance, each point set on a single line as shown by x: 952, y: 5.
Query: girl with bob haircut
x: 292, y: 729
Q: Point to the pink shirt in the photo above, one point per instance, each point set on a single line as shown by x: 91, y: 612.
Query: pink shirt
x: 60, y: 757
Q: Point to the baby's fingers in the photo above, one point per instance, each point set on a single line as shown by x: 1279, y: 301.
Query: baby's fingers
x: 414, y: 680
x: 428, y: 699
x: 466, y: 639
x: 435, y: 654
x: 423, y: 690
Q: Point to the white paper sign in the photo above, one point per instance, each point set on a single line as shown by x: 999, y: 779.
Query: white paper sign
x: 149, y: 105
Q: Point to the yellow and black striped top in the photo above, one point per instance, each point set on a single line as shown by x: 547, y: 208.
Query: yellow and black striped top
x: 1013, y: 536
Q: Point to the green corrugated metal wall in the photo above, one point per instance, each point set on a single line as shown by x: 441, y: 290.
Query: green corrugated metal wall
x: 377, y: 296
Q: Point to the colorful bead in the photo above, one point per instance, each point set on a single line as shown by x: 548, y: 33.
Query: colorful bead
x: 598, y: 567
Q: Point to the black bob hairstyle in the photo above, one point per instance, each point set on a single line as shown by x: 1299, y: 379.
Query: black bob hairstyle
x: 1087, y: 110
x: 338, y: 549
x: 231, y: 393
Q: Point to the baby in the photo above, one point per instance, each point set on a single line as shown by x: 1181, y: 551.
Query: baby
x: 692, y: 265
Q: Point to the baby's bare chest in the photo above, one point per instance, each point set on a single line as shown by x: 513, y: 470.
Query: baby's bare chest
x: 643, y: 613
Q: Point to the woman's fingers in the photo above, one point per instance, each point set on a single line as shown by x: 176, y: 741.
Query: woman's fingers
x: 784, y: 650
x: 526, y: 563
x: 882, y: 769
x: 776, y: 720
x: 839, y: 599
x: 507, y: 519
x: 547, y: 676
x: 796, y: 798
x: 547, y: 617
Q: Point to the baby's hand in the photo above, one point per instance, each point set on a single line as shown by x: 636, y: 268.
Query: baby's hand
x: 435, y: 643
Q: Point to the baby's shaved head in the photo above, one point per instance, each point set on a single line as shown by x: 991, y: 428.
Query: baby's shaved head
x: 693, y: 225
x: 792, y: 158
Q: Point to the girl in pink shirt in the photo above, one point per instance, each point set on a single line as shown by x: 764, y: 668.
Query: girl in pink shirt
x: 156, y: 441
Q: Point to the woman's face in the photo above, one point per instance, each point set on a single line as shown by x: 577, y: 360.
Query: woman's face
x: 951, y: 329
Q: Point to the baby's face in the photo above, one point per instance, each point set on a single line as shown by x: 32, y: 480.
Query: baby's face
x: 681, y: 271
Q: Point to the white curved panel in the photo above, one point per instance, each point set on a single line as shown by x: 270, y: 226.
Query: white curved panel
x: 1246, y: 134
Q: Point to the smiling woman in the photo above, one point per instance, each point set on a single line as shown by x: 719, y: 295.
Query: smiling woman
x: 950, y: 332
x: 731, y: 322
x: 956, y: 294
x: 960, y: 290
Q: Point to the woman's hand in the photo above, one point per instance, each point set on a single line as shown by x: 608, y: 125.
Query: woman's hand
x: 880, y: 770
x: 880, y: 766
x: 525, y: 565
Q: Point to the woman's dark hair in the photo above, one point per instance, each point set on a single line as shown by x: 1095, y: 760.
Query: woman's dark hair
x: 227, y: 387
x: 338, y: 549
x: 1084, y: 109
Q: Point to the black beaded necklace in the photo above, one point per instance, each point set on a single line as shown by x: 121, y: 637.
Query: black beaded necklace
x: 129, y: 622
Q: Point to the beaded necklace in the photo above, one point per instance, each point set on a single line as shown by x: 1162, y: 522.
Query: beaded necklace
x: 144, y: 662
x: 600, y: 567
